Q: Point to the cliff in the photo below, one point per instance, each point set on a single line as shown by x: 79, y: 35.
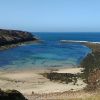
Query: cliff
x: 14, y: 37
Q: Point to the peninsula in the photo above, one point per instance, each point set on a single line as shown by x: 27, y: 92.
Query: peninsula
x: 9, y: 38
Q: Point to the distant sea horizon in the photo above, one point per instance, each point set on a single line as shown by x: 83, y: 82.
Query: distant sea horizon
x: 83, y: 36
x: 50, y: 53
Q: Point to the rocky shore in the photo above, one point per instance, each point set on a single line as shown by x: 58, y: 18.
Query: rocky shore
x: 12, y: 37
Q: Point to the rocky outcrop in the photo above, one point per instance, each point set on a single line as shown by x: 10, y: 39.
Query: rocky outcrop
x: 11, y: 95
x: 14, y: 36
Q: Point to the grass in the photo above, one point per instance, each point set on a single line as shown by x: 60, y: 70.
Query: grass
x: 91, y: 65
x: 96, y: 97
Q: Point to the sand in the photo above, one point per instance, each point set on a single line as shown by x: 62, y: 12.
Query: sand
x: 31, y: 80
x: 28, y: 81
x: 70, y: 70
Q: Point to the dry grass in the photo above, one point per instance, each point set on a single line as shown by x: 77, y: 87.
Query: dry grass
x: 94, y: 97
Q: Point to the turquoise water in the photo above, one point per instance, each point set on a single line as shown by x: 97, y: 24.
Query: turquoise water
x: 48, y: 54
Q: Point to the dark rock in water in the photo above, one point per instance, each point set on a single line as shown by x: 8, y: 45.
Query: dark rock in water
x: 14, y: 36
x: 11, y: 95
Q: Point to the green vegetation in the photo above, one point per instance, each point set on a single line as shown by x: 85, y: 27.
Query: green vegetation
x: 91, y: 62
x: 91, y: 65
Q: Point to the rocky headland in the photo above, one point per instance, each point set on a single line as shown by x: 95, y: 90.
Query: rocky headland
x: 12, y: 37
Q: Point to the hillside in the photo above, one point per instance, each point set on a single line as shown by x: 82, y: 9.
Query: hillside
x: 14, y: 37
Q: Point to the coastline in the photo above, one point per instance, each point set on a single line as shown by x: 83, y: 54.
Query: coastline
x: 28, y: 81
x: 13, y: 38
x: 32, y: 84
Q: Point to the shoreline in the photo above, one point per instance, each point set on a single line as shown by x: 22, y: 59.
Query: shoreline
x: 31, y: 83
x: 28, y: 81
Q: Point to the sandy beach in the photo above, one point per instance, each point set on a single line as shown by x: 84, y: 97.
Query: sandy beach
x: 31, y: 81
x: 70, y: 70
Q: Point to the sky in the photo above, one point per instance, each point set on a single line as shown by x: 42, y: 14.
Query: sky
x: 50, y: 15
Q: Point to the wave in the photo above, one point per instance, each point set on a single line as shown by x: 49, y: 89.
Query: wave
x: 75, y: 41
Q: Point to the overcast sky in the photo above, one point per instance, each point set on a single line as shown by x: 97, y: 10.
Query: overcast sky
x: 51, y: 15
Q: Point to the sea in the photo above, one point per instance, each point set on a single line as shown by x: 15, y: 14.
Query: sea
x: 50, y: 52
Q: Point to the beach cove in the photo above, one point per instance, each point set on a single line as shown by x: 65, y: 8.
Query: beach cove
x: 29, y: 74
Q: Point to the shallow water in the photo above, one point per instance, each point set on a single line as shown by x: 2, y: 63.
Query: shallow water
x: 48, y: 54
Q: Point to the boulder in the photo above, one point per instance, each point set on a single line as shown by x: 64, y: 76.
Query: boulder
x: 11, y: 95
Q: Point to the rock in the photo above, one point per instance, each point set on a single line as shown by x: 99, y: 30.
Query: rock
x: 14, y: 36
x: 11, y: 95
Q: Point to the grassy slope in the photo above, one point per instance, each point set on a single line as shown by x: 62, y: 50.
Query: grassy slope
x: 91, y: 65
x: 92, y: 70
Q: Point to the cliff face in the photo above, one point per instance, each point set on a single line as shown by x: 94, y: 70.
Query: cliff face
x: 14, y: 36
